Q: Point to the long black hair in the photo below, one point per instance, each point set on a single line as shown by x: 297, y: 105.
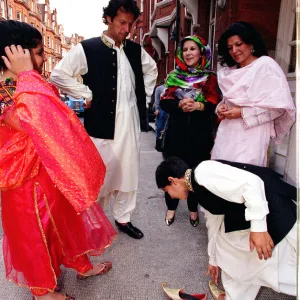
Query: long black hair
x: 248, y: 34
x: 113, y: 6
x: 17, y: 33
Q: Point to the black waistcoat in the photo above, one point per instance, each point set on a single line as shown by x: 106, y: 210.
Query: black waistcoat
x: 282, y: 215
x: 99, y: 120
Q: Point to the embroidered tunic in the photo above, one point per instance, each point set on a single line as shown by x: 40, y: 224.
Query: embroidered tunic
x: 268, y: 111
x: 50, y: 176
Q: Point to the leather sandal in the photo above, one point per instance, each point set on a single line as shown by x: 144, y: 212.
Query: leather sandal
x: 215, y: 291
x: 67, y: 297
x: 106, y: 267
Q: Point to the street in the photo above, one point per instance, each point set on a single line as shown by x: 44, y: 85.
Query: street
x: 176, y: 254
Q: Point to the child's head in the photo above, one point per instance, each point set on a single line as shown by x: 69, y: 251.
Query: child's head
x: 25, y: 35
x: 170, y: 177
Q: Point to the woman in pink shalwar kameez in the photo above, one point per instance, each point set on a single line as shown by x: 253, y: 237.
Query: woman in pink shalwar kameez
x: 256, y: 106
x: 257, y: 103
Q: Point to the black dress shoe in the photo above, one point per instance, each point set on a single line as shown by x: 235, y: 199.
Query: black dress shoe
x: 130, y: 230
x: 194, y: 223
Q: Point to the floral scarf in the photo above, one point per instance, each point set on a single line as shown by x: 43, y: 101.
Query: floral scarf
x: 190, y: 80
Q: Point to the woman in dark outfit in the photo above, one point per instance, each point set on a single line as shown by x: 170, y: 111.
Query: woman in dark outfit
x: 190, y: 99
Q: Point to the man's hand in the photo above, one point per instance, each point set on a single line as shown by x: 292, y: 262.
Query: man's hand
x: 17, y: 59
x: 263, y: 243
x: 86, y: 104
x: 156, y: 112
x: 234, y: 112
x: 214, y: 272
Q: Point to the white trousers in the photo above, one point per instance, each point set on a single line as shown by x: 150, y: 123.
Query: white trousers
x: 124, y: 204
x: 278, y: 272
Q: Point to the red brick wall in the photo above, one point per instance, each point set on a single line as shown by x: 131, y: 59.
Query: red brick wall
x: 165, y: 10
x: 203, y: 19
x: 263, y: 15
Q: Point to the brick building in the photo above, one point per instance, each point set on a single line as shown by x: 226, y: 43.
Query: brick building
x: 276, y: 20
x: 38, y: 14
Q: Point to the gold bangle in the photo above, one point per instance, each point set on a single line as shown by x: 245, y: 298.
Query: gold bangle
x: 201, y: 106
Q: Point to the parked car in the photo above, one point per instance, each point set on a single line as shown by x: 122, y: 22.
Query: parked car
x: 75, y: 104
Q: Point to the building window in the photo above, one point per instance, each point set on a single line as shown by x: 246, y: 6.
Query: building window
x: 142, y: 6
x: 10, y: 12
x: 25, y: 19
x: 32, y: 24
x: 19, y: 16
x: 48, y: 42
x: 50, y: 63
x: 212, y: 26
x: 2, y: 8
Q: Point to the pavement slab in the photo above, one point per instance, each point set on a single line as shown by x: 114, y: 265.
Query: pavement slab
x: 176, y: 254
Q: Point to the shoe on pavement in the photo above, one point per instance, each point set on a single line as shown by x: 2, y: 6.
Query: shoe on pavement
x: 130, y: 230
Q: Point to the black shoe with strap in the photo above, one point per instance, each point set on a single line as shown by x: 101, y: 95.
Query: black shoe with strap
x: 129, y: 229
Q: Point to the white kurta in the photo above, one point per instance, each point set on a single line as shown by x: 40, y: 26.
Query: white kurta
x: 120, y: 155
x: 231, y: 251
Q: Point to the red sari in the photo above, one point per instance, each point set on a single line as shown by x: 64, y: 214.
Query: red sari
x: 50, y: 177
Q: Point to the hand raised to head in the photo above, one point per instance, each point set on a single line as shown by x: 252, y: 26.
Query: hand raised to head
x: 17, y: 59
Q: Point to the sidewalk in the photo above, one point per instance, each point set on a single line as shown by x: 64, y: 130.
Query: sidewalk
x: 175, y: 254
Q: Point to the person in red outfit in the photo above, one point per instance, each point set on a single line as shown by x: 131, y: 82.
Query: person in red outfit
x: 50, y: 174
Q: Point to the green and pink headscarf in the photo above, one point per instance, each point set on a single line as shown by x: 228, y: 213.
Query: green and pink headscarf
x: 189, y: 77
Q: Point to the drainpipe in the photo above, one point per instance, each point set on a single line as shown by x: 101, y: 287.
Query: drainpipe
x: 177, y: 24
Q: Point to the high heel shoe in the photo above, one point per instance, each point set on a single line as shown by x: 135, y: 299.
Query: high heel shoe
x: 169, y: 221
x: 194, y: 223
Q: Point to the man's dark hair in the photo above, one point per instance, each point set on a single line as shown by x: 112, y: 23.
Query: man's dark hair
x: 248, y: 34
x: 113, y: 6
x: 17, y: 33
x: 171, y: 167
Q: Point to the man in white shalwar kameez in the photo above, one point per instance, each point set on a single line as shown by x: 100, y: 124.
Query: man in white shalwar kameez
x: 119, y: 146
x: 234, y: 197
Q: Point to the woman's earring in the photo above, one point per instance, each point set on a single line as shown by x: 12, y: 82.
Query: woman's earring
x: 252, y: 49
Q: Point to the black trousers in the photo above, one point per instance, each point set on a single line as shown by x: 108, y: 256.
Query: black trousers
x: 191, y: 202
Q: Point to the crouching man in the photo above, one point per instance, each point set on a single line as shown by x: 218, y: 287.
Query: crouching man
x: 251, y: 221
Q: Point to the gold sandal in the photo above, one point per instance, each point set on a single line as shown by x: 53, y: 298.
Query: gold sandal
x: 107, y: 266
x: 215, y: 291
